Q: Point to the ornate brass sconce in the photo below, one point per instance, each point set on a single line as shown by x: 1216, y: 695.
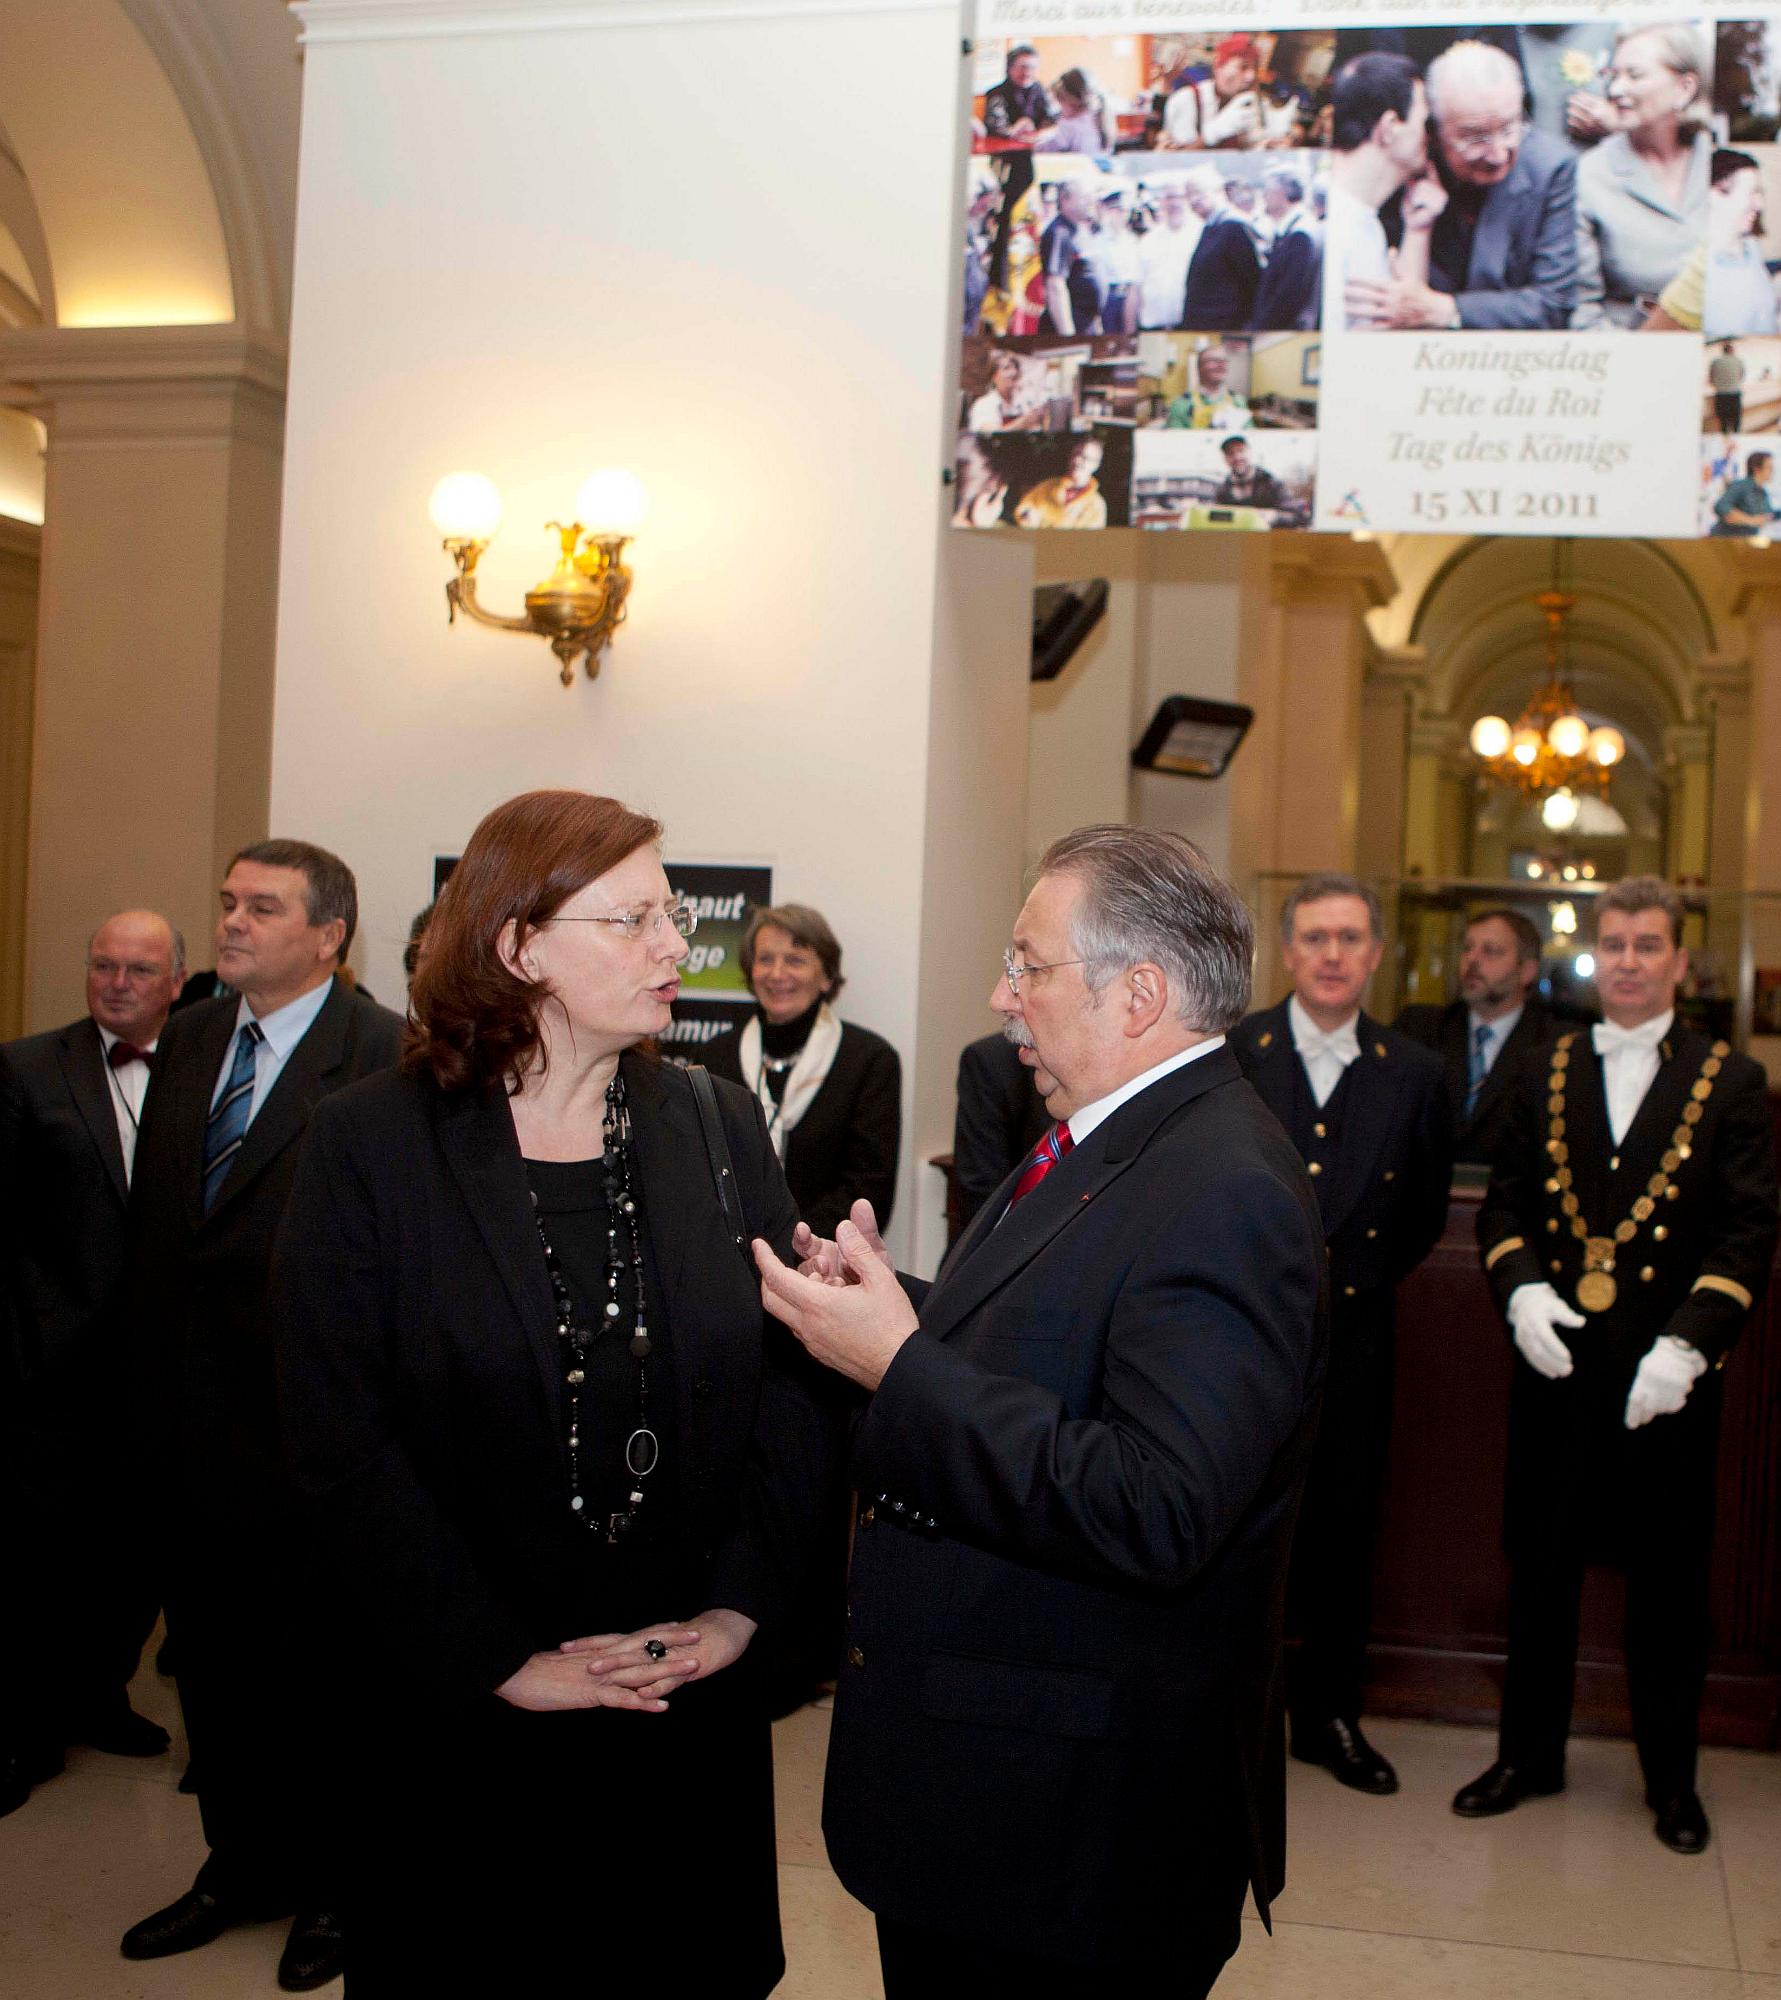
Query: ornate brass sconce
x: 582, y: 603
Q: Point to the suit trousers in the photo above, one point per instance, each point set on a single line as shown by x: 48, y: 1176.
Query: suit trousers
x: 263, y: 1750
x: 927, y: 1965
x: 1663, y: 1542
x: 1329, y: 1591
x: 84, y: 1592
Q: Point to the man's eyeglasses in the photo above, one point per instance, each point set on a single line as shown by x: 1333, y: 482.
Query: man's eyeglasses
x: 681, y: 916
x: 1015, y: 972
x: 109, y: 968
x: 1476, y: 143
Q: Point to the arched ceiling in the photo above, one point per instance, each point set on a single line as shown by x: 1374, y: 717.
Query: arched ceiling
x: 1639, y: 630
x: 129, y: 216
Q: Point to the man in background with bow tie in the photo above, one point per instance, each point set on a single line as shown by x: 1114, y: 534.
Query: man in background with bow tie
x: 1628, y: 1232
x: 1368, y: 1110
x: 82, y: 1600
x: 235, y: 1086
x: 1056, y: 1761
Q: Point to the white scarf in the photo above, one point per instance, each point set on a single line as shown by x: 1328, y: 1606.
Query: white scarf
x: 809, y: 1073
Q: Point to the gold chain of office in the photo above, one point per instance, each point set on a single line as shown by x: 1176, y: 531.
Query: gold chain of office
x: 1596, y: 1289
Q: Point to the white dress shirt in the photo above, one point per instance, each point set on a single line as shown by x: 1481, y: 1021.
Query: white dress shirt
x: 282, y: 1031
x: 1325, y: 1056
x: 1163, y: 257
x: 128, y: 1087
x: 1629, y: 1062
x: 1354, y: 246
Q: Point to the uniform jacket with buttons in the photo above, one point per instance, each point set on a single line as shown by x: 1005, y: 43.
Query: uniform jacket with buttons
x: 422, y: 1381
x: 1700, y: 1260
x: 1057, y: 1728
x: 1384, y: 1190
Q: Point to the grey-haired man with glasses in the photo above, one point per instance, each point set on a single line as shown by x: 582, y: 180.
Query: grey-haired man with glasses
x: 1487, y: 237
x: 1057, y: 1759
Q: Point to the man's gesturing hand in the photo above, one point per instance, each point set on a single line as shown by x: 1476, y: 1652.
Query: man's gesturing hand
x: 855, y: 1326
x: 819, y: 1257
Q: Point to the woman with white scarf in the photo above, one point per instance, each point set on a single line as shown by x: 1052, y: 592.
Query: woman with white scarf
x: 830, y: 1091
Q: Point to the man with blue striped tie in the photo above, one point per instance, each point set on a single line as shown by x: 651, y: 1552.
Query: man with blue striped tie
x: 236, y: 1081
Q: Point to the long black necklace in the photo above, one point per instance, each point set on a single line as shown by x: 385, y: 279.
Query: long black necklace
x: 642, y: 1447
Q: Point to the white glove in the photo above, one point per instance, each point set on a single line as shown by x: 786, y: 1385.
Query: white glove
x: 1235, y: 119
x: 1534, y: 1310
x: 1666, y: 1374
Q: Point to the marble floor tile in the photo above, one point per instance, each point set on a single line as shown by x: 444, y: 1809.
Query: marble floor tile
x: 1581, y: 1873
x: 1304, y: 1962
x: 1742, y: 1793
x: 800, y: 1749
x: 831, y: 1949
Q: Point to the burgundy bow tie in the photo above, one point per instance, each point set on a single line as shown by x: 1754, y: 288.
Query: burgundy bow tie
x: 121, y: 1053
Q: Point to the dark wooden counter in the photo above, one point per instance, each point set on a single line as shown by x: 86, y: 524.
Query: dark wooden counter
x: 1442, y: 1590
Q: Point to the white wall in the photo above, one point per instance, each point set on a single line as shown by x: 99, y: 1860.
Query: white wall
x: 567, y: 243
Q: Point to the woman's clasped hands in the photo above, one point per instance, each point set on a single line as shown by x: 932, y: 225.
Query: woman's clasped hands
x: 632, y: 1670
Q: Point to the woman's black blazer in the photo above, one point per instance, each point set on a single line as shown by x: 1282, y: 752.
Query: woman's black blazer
x: 421, y: 1382
x: 846, y: 1144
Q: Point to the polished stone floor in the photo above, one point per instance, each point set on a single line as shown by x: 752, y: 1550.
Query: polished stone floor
x: 1390, y: 1899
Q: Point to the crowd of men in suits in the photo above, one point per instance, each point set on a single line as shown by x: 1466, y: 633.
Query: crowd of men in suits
x: 146, y: 1156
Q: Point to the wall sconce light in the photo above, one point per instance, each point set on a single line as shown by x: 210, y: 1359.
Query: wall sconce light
x: 582, y: 602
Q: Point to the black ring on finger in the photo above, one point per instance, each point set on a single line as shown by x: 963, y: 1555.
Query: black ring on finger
x: 655, y: 1649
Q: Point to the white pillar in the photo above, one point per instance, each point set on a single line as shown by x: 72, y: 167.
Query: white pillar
x: 152, y: 730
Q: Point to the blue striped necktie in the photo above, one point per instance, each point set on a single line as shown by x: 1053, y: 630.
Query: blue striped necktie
x: 1480, y: 1068
x: 228, y: 1116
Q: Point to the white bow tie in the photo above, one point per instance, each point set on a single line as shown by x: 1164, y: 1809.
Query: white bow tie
x: 1610, y: 1040
x: 1342, y: 1043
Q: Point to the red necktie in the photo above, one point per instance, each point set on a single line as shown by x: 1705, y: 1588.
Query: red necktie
x: 1052, y: 1148
x: 121, y: 1054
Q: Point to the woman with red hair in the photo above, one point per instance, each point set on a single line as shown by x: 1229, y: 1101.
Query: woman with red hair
x: 558, y: 1465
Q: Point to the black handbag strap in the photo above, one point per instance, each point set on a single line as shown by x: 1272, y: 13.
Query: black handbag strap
x: 717, y: 1154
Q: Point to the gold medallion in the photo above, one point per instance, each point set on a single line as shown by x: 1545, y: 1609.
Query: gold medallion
x: 1595, y: 1291
x: 1598, y: 1252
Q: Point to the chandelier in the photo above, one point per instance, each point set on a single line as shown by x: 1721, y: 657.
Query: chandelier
x: 1549, y: 751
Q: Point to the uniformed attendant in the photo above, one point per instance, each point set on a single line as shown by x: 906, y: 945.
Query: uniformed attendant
x: 1368, y: 1110
x: 1628, y: 1232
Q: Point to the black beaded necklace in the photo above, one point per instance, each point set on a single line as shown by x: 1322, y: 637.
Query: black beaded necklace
x: 642, y: 1447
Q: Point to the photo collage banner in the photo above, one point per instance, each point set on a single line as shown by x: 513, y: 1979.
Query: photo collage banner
x: 1267, y: 266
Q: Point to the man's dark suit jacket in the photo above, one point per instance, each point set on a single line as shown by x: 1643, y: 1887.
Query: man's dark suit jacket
x: 199, y: 1287
x: 1395, y: 1169
x: 1290, y: 291
x: 845, y: 1146
x: 1058, y: 1727
x: 999, y: 1121
x: 1521, y: 270
x: 64, y: 1205
x: 1221, y: 278
x: 1448, y: 1031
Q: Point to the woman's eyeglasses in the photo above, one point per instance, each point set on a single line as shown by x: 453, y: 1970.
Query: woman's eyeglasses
x: 681, y: 916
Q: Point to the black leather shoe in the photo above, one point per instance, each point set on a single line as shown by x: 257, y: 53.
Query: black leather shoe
x: 1340, y: 1747
x: 184, y: 1925
x: 1682, y: 1825
x: 1501, y: 1789
x: 15, y: 1787
x: 124, y: 1733
x: 313, y: 1953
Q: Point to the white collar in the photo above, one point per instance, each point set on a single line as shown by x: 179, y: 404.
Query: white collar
x: 1307, y: 1034
x: 107, y: 1038
x: 1502, y: 1027
x: 1606, y: 1037
x: 286, y: 1026
x: 1083, y: 1122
